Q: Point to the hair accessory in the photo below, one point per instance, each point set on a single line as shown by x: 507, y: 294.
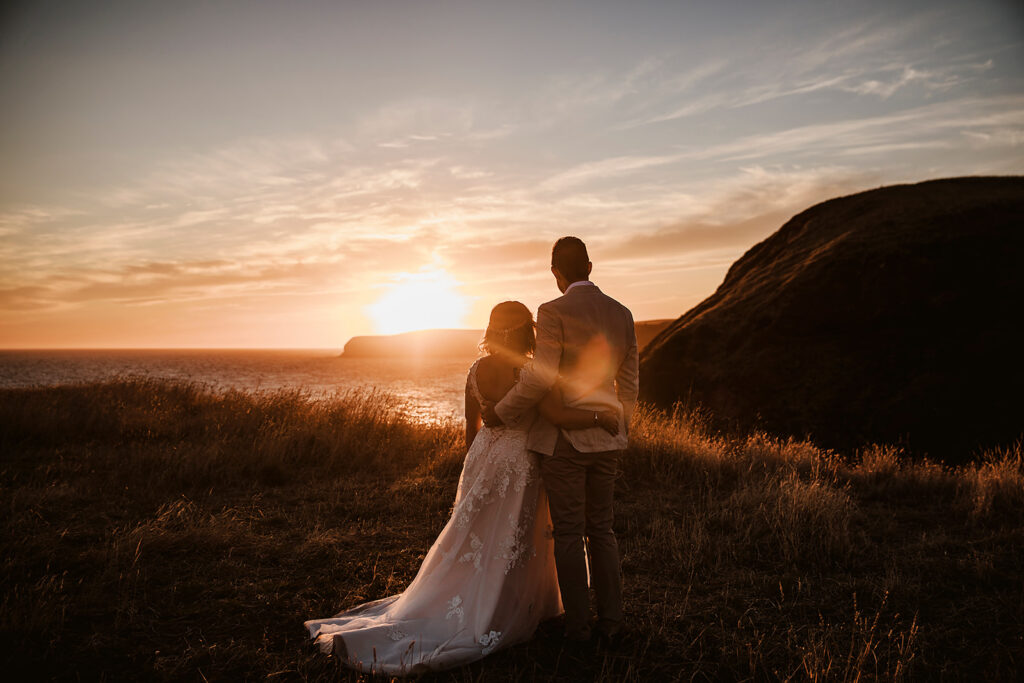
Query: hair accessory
x: 507, y: 319
x: 506, y: 330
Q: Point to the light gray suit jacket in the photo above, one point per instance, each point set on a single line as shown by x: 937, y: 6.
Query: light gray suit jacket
x: 587, y: 340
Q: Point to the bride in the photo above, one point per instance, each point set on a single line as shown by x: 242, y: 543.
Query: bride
x: 489, y: 578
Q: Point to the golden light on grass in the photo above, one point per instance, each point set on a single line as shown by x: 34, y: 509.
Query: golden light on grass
x: 824, y: 566
x: 419, y: 301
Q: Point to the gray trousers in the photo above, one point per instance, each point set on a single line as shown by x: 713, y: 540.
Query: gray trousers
x: 580, y: 489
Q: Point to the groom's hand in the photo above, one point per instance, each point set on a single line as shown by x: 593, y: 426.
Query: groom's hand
x: 488, y: 415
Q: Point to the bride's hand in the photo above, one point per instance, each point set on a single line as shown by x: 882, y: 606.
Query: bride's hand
x: 608, y: 420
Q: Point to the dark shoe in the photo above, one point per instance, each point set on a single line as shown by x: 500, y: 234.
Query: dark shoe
x: 612, y: 641
x: 582, y: 635
x: 579, y: 648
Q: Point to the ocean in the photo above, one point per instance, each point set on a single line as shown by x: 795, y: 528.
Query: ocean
x: 430, y: 389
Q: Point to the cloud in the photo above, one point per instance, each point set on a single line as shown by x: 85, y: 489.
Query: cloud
x: 739, y: 212
x: 196, y: 230
x: 409, y: 140
x: 889, y: 79
x: 26, y: 298
x: 485, y: 256
x: 31, y: 218
x: 928, y: 123
x: 604, y: 168
x: 996, y: 137
x: 677, y: 161
x: 737, y: 98
x: 874, y: 58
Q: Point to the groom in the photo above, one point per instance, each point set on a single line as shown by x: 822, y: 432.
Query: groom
x: 587, y: 340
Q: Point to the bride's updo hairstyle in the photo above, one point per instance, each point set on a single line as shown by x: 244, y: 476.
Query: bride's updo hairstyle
x: 509, y: 330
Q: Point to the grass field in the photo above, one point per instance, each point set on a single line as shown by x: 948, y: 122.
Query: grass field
x: 160, y: 531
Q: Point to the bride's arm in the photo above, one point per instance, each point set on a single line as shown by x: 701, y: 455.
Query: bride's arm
x: 472, y: 416
x: 554, y: 410
x: 538, y: 376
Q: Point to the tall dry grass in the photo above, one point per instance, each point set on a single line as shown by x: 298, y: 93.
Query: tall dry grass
x: 157, y: 530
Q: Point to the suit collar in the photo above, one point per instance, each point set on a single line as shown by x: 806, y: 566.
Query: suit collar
x: 578, y: 284
x: 580, y: 288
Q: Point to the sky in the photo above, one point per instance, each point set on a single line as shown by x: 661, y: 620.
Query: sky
x: 292, y: 174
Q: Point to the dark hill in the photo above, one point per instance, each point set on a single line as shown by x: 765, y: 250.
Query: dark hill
x: 422, y: 343
x: 648, y: 330
x: 893, y: 315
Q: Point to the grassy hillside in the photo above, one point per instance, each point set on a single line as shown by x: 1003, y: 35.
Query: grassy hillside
x: 157, y: 531
x: 882, y: 316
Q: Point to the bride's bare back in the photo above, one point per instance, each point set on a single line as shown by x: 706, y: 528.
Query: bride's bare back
x: 495, y: 376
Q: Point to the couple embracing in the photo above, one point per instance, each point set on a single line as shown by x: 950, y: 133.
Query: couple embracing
x: 546, y: 421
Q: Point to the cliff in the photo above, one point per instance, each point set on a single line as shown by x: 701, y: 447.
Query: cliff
x: 892, y: 315
x: 419, y: 344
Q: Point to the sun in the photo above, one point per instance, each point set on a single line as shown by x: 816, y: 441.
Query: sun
x: 419, y: 301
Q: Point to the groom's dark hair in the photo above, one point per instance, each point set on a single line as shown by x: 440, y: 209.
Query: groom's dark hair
x: 569, y: 255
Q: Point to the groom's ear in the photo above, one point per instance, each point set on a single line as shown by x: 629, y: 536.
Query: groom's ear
x: 559, y: 280
x: 590, y: 267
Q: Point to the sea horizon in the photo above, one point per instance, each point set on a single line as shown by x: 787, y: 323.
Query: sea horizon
x: 173, y: 348
x: 430, y: 389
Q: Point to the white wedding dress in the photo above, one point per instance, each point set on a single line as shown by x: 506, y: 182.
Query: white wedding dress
x: 485, y: 584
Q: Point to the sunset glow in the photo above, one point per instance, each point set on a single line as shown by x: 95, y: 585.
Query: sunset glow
x: 419, y: 301
x: 256, y: 174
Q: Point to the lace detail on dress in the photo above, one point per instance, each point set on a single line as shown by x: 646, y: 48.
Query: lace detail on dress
x: 467, y: 508
x: 455, y: 609
x: 489, y: 641
x: 497, y: 463
x: 508, y: 467
x: 517, y: 547
x: 474, y: 554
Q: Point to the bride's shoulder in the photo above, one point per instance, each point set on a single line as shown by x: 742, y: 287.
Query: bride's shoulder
x: 488, y: 372
x: 483, y: 365
x: 475, y: 368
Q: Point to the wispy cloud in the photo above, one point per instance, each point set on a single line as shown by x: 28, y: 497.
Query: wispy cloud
x: 604, y: 168
x: 891, y: 78
x: 927, y: 126
x: 670, y: 159
x: 870, y: 58
x: 361, y: 220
